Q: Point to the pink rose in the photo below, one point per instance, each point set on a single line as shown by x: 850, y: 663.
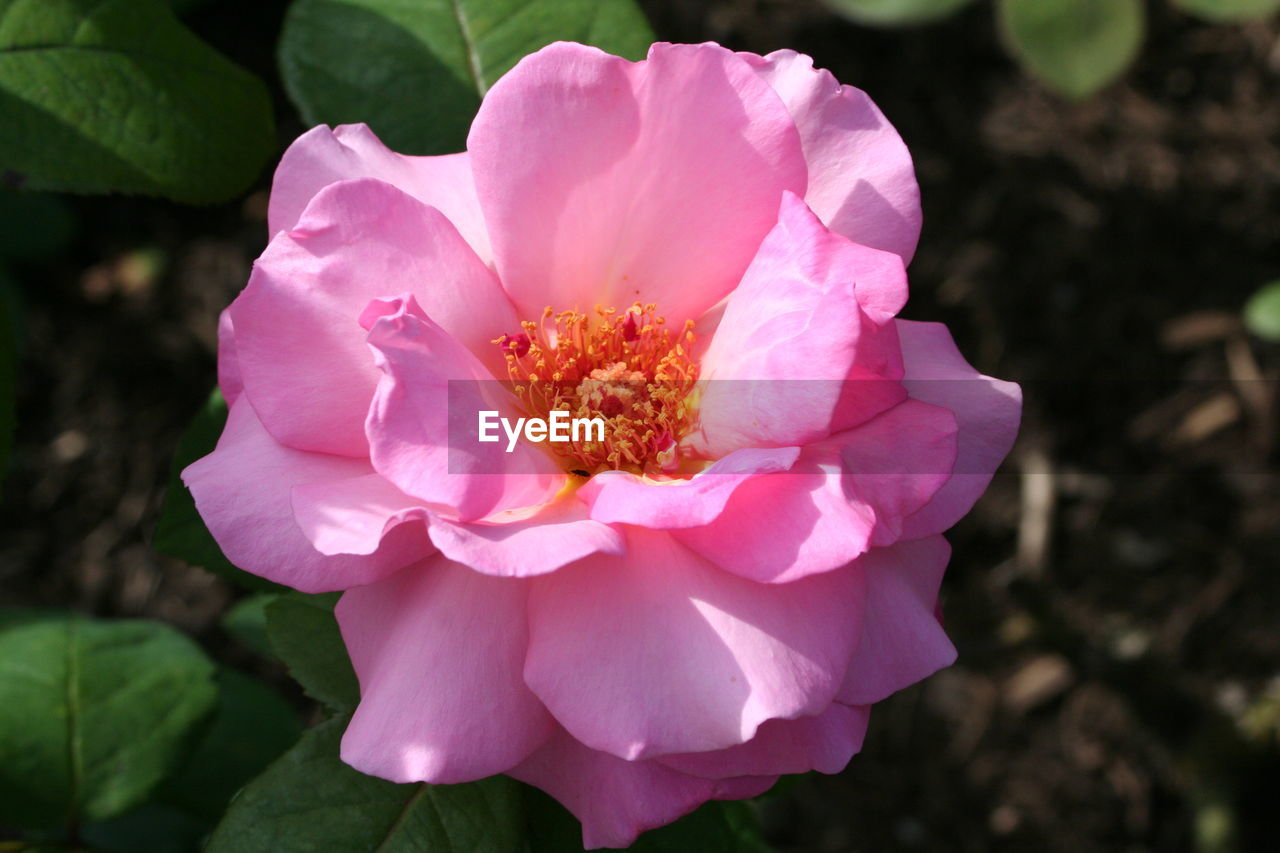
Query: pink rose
x: 755, y: 557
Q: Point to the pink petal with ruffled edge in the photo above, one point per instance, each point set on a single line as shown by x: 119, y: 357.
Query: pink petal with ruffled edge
x: 824, y: 742
x: 792, y: 336
x: 422, y: 425
x: 659, y: 652
x: 299, y: 344
x: 524, y: 544
x: 861, y: 179
x: 844, y: 495
x: 620, y: 497
x: 652, y: 181
x: 438, y: 650
x: 321, y: 157
x: 242, y: 490
x: 902, y: 642
x: 616, y: 800
x: 229, y: 381
x: 351, y: 516
x: 987, y: 410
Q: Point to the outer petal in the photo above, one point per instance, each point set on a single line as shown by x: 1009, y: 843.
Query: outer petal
x: 229, y: 381
x: 616, y: 800
x: 987, y: 410
x: 622, y: 497
x: 351, y: 516
x: 438, y: 649
x: 824, y: 743
x: 423, y: 424
x: 606, y: 182
x: 844, y: 495
x: 658, y: 652
x: 902, y: 641
x: 795, y: 356
x: 322, y: 156
x: 861, y: 179
x: 298, y: 340
x: 526, y: 543
x: 242, y: 491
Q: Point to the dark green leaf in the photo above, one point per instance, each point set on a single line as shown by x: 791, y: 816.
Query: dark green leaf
x: 1262, y: 312
x: 1074, y: 47
x: 117, y: 96
x: 185, y: 7
x: 1222, y: 11
x: 8, y: 374
x: 93, y: 714
x: 180, y: 532
x: 151, y: 828
x: 310, y: 802
x: 422, y: 67
x: 896, y: 13
x: 251, y: 727
x: 304, y: 634
x: 247, y: 622
x: 34, y: 225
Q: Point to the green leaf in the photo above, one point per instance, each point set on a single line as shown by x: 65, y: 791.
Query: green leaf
x: 1262, y: 312
x: 1074, y: 47
x: 310, y: 802
x: 422, y: 67
x: 896, y: 13
x: 34, y: 225
x: 8, y: 373
x: 247, y: 622
x: 251, y: 727
x: 304, y: 634
x: 180, y: 532
x: 117, y: 96
x: 185, y: 7
x: 1226, y: 11
x: 93, y: 714
x: 150, y: 828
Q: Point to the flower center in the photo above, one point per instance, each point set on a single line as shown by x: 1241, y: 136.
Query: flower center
x: 627, y: 368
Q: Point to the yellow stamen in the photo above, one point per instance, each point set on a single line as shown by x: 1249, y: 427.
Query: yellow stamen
x: 627, y: 368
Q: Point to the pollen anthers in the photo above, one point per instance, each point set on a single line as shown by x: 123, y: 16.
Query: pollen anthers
x: 627, y: 367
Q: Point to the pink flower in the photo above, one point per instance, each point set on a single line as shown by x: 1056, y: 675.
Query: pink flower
x: 755, y: 556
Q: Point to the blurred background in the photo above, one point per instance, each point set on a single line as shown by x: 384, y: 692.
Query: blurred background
x: 1115, y: 597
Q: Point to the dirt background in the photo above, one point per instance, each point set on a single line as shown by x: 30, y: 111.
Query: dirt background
x: 1115, y: 597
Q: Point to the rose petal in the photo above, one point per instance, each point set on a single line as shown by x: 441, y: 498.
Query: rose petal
x: 824, y: 742
x: 438, y: 650
x: 616, y: 800
x: 861, y: 179
x: 423, y: 424
x: 659, y: 652
x: 987, y: 411
x: 902, y: 642
x: 300, y: 347
x: 229, y: 380
x: 242, y: 491
x: 350, y: 516
x: 795, y: 357
x: 321, y: 157
x: 523, y: 544
x: 620, y: 497
x: 651, y: 181
x: 844, y: 495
